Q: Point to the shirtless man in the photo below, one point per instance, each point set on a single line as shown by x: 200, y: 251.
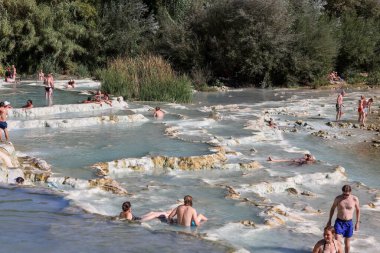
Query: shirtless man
x: 3, y: 119
x: 158, y: 113
x: 345, y: 203
x: 49, y: 86
x: 339, y: 105
x: 186, y: 214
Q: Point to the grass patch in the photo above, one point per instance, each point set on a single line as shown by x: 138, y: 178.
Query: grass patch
x: 147, y: 78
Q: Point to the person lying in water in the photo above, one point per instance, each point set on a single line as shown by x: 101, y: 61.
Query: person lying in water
x: 306, y: 159
x: 128, y: 215
x: 186, y: 214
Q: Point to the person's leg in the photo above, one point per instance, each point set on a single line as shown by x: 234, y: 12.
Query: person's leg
x: 1, y: 136
x: 201, y: 217
x: 153, y: 215
x: 6, y: 134
x: 347, y: 245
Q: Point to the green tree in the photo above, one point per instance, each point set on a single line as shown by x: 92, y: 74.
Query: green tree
x: 127, y: 28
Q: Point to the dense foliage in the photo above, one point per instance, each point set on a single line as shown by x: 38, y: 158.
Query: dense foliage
x: 148, y: 78
x: 238, y: 42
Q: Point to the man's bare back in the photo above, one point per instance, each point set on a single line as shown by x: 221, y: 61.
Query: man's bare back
x: 186, y: 214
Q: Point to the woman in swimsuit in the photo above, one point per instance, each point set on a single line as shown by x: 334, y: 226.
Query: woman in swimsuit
x: 128, y: 215
x: 328, y: 244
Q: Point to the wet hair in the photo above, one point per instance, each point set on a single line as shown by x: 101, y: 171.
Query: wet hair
x: 1, y: 104
x: 30, y: 101
x: 330, y: 229
x: 19, y: 180
x: 346, y: 188
x: 158, y: 108
x: 370, y: 100
x: 126, y: 206
x: 188, y: 200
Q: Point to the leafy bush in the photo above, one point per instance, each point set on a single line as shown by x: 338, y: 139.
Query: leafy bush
x: 82, y: 71
x: 145, y: 78
x: 374, y: 78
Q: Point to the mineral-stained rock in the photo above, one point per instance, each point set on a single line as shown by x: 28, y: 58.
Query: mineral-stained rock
x: 254, y: 165
x: 232, y: 194
x: 372, y: 205
x: 107, y: 184
x: 292, y: 191
x: 274, y: 221
x: 309, y: 209
x: 248, y: 223
x: 308, y: 193
x: 321, y: 133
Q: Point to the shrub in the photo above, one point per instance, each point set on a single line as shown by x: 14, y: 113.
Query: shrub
x: 147, y: 78
x: 374, y: 78
x: 82, y: 71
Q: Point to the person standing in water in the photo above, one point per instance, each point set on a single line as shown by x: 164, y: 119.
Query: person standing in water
x: 3, y: 119
x: 328, y: 244
x: 49, y: 86
x: 346, y: 204
x: 339, y: 106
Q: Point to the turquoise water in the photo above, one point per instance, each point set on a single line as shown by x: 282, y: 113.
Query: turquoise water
x: 60, y: 221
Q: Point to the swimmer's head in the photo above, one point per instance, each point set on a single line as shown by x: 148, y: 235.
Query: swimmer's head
x: 329, y: 233
x: 126, y: 206
x: 188, y: 200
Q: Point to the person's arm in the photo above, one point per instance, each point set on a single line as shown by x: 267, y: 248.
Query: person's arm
x: 316, y: 247
x: 332, y: 210
x: 195, y: 218
x: 357, y: 209
x: 172, y: 214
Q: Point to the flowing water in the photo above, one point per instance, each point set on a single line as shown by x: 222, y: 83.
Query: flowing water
x: 67, y: 219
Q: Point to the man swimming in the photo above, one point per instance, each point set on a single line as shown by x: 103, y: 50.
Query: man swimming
x: 186, y: 214
x: 345, y: 203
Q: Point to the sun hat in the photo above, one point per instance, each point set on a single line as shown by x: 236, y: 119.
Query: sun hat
x: 6, y: 103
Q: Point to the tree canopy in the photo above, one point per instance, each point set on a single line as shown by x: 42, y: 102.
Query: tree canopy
x: 242, y: 42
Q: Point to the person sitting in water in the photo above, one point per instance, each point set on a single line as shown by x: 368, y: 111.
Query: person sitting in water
x: 271, y: 123
x: 91, y: 100
x: 328, y: 244
x: 28, y: 105
x: 307, y: 159
x: 71, y: 84
x: 128, y: 215
x: 186, y: 214
x: 158, y: 113
x: 106, y: 99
